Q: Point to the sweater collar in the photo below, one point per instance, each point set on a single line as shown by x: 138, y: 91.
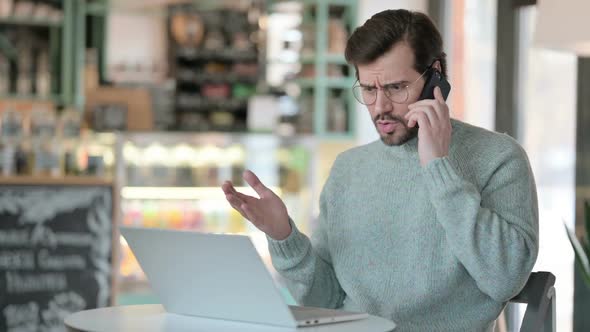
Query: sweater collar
x: 408, y: 148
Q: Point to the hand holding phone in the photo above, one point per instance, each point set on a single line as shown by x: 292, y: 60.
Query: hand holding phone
x: 435, y: 78
x: 431, y: 110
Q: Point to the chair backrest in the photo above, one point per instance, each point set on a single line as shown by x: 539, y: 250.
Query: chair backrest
x: 539, y: 295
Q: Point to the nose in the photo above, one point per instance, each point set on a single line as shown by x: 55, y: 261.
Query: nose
x: 382, y: 103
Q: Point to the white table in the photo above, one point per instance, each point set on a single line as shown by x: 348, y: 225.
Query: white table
x: 153, y: 318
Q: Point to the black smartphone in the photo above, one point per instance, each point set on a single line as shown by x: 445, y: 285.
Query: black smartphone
x: 434, y: 79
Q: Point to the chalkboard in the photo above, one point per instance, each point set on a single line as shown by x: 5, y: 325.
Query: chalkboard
x: 55, y: 254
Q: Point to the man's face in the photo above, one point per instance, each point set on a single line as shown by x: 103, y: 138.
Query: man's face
x: 395, y: 66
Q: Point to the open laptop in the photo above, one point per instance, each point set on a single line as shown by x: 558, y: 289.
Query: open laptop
x: 218, y: 276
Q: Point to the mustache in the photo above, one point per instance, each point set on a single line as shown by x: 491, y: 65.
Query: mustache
x: 389, y: 117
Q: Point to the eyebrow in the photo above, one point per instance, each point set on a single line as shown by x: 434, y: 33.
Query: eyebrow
x: 386, y: 84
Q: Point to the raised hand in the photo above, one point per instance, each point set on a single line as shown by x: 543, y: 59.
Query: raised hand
x: 434, y: 135
x: 268, y: 213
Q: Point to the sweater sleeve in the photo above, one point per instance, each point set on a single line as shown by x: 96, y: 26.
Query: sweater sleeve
x: 493, y: 233
x: 308, y: 268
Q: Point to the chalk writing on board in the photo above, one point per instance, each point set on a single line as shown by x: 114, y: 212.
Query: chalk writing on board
x: 35, y: 282
x: 24, y: 317
x: 59, y: 307
x: 14, y: 237
x: 17, y: 259
x: 60, y: 262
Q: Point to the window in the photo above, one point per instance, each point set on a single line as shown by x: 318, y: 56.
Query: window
x: 547, y: 129
x: 469, y: 33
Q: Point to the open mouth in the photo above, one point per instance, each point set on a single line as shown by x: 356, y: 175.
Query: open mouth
x: 387, y: 127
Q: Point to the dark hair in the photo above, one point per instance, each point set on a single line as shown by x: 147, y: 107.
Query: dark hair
x: 385, y: 29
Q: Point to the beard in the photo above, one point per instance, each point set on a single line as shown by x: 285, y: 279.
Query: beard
x: 398, y: 136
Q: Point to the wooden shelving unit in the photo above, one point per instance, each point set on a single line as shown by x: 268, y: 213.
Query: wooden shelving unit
x: 211, y: 92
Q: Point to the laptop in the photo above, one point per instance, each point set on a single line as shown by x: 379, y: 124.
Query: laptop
x: 218, y: 276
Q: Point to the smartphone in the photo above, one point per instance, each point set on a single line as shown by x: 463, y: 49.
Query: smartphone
x: 434, y: 79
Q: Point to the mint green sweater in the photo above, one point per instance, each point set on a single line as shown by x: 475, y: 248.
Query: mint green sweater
x: 439, y: 248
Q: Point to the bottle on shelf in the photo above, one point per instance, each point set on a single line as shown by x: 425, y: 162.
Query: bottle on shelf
x: 70, y: 122
x: 11, y: 133
x: 24, y: 80
x: 43, y: 75
x: 44, y: 142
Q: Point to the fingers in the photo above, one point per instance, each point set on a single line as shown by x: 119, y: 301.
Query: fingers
x: 230, y: 191
x: 440, y: 108
x: 418, y: 117
x: 255, y: 183
x: 245, y: 198
x: 436, y: 109
x: 438, y: 103
x: 438, y: 96
x: 234, y: 198
x: 240, y: 202
x: 428, y: 111
x: 228, y: 188
x: 231, y: 195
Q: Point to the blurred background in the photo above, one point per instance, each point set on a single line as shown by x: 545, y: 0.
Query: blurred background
x: 157, y: 102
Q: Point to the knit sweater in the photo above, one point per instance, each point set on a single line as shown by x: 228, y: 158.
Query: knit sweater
x: 435, y: 248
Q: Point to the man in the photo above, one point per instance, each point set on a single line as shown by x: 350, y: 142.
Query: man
x: 434, y: 226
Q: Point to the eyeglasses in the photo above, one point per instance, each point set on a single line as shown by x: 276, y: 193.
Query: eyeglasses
x: 396, y: 92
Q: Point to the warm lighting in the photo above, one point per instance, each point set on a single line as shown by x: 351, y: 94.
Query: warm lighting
x: 187, y: 193
x: 155, y: 154
x: 562, y: 25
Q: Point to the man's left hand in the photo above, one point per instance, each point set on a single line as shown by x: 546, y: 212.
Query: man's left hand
x: 434, y: 134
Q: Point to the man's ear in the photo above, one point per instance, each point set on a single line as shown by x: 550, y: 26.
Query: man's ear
x: 436, y: 65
